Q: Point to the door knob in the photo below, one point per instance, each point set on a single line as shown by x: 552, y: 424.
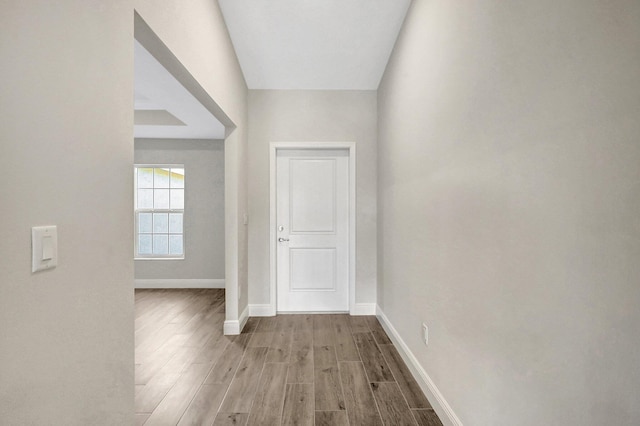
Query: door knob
x: 282, y: 239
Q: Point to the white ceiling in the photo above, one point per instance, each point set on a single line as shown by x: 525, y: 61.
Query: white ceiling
x: 313, y: 44
x: 164, y: 108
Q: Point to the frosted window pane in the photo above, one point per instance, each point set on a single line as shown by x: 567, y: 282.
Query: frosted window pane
x: 161, y: 223
x: 175, y: 244
x: 145, y: 178
x: 144, y: 244
x: 175, y: 223
x: 160, y: 244
x: 161, y: 178
x: 161, y: 199
x: 160, y: 233
x: 177, y: 199
x: 145, y: 198
x: 144, y: 222
x: 177, y: 178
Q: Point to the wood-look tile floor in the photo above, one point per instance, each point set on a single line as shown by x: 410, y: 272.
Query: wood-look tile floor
x: 283, y: 370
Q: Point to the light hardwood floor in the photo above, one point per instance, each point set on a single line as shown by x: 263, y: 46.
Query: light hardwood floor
x: 283, y: 370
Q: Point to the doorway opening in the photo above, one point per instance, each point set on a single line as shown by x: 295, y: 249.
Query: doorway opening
x: 177, y: 122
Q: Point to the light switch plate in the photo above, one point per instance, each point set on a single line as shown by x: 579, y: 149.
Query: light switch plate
x: 44, y: 247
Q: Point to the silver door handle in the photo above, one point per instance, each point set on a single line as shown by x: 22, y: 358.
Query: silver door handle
x: 282, y: 240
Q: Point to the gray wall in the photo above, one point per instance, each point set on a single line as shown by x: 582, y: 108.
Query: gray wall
x: 509, y: 200
x: 204, y: 207
x: 66, y: 143
x: 312, y: 116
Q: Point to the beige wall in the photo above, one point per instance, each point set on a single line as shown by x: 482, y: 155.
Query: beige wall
x: 312, y: 116
x: 204, y: 207
x: 66, y: 335
x: 509, y: 203
x: 195, y: 33
x: 66, y: 143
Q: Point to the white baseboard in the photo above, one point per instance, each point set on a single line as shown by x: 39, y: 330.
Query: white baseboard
x: 179, y: 283
x: 363, y: 309
x: 262, y: 310
x: 233, y: 327
x: 440, y: 405
x: 268, y: 310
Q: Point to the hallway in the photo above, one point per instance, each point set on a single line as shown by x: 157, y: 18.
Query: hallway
x: 288, y: 369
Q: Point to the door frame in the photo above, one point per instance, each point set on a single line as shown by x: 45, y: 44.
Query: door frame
x: 274, y: 147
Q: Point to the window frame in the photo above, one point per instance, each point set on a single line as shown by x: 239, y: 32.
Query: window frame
x: 136, y: 213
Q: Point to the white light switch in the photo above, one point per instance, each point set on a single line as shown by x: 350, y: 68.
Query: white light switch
x: 44, y: 247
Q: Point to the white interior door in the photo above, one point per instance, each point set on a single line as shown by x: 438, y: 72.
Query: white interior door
x: 312, y: 219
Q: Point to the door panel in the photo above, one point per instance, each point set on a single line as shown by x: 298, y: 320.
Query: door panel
x: 312, y: 269
x: 312, y: 209
x: 312, y: 196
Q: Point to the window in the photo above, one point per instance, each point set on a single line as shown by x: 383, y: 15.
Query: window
x: 159, y: 211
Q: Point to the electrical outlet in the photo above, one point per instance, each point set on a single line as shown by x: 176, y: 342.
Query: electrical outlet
x: 425, y: 334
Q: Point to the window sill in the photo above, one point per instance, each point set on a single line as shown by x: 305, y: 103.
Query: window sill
x: 158, y: 258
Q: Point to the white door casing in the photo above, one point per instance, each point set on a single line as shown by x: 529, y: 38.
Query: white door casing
x: 312, y: 213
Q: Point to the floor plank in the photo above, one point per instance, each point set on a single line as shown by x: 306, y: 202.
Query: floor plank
x: 213, y: 349
x: 301, y: 361
x: 243, y: 386
x: 391, y: 404
x: 426, y: 418
x: 141, y: 419
x: 189, y: 316
x: 303, y: 322
x: 204, y: 406
x: 404, y: 378
x: 298, y: 405
x: 280, y: 348
x: 268, y: 401
x: 327, y: 387
x: 345, y: 346
x: 228, y: 362
x: 202, y: 335
x: 251, y: 325
x: 261, y: 339
x: 267, y: 324
x: 374, y: 363
x: 331, y: 418
x: 361, y: 407
x: 157, y: 338
x: 180, y: 360
x: 358, y: 324
x: 323, y: 331
x: 378, y: 332
x: 231, y: 419
x: 149, y: 396
x: 286, y: 322
x: 168, y: 348
x: 174, y: 404
x: 155, y: 362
